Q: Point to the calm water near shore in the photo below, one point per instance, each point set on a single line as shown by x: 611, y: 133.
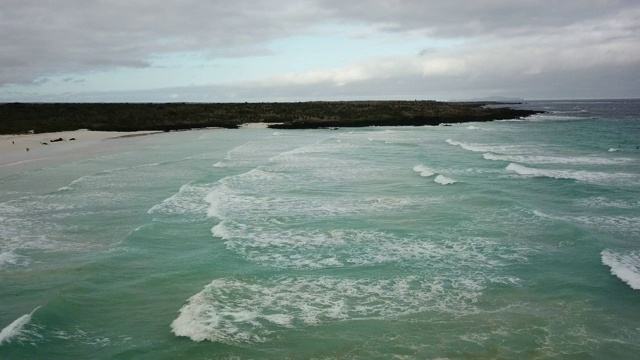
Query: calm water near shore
x: 508, y: 239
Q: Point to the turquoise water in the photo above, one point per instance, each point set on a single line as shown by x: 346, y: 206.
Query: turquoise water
x: 509, y: 239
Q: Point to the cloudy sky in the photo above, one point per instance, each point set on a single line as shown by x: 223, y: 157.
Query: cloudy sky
x: 300, y: 50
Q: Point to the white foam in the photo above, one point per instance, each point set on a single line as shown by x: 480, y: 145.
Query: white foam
x: 280, y: 246
x: 205, y: 156
x: 493, y: 148
x: 601, y: 178
x: 235, y: 311
x: 614, y: 149
x: 17, y: 236
x: 443, y: 180
x: 260, y: 195
x: 188, y: 200
x: 539, y: 159
x: 612, y: 224
x: 254, y: 153
x: 626, y: 266
x: 320, y: 148
x: 603, y: 202
x: 35, y: 224
x: 550, y: 117
x: 9, y: 258
x: 16, y: 328
x: 423, y: 170
x: 476, y: 128
x: 86, y: 338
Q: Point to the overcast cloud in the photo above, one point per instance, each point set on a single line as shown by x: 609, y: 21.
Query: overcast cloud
x: 281, y: 50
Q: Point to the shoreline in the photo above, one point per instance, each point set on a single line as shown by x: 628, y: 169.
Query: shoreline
x: 51, y: 145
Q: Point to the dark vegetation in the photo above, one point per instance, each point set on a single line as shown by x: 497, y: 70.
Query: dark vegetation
x: 18, y: 118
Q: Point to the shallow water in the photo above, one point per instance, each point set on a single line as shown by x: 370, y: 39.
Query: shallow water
x: 513, y: 239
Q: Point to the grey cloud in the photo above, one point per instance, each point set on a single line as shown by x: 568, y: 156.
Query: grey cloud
x: 40, y: 38
x: 540, y: 43
x: 455, y: 18
x: 554, y: 84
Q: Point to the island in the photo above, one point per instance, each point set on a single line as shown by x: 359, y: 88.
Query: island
x: 22, y: 118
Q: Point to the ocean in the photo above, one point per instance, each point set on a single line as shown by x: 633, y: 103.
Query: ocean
x: 509, y: 239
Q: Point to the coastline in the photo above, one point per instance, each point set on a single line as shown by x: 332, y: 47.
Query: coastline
x: 47, y: 146
x: 36, y: 132
x: 52, y: 117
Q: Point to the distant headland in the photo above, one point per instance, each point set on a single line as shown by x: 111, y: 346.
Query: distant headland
x: 21, y: 118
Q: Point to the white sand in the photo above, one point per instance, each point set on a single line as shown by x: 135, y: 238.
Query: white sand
x: 14, y: 154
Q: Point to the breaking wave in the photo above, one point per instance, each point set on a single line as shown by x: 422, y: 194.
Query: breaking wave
x: 423, y: 170
x: 493, y: 148
x: 189, y: 200
x: 443, y: 180
x: 577, y: 160
x: 241, y: 311
x: 600, y: 178
x: 16, y: 330
x: 624, y: 266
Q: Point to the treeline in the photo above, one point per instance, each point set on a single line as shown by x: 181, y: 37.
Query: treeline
x: 18, y: 118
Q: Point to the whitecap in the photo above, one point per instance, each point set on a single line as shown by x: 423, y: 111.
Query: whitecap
x: 601, y: 202
x: 493, y: 148
x: 540, y: 159
x: 16, y: 328
x: 443, y: 180
x: 550, y: 117
x: 9, y: 258
x: 188, y: 200
x: 423, y: 170
x: 612, y: 224
x: 601, y: 178
x: 626, y: 266
x: 476, y: 128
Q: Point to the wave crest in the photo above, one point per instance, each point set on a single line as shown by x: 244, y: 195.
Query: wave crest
x: 443, y: 180
x: 16, y: 329
x: 235, y: 311
x: 624, y: 266
x: 423, y: 170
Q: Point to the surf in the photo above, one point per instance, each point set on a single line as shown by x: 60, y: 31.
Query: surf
x: 16, y: 328
x: 424, y: 171
x: 572, y: 160
x: 625, y: 266
x: 443, y: 180
x: 592, y: 177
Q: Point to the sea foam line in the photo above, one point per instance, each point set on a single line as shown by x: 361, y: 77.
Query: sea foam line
x: 587, y: 160
x: 16, y: 327
x: 501, y: 149
x: 580, y: 175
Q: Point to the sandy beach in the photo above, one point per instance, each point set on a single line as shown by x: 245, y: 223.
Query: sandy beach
x: 18, y: 151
